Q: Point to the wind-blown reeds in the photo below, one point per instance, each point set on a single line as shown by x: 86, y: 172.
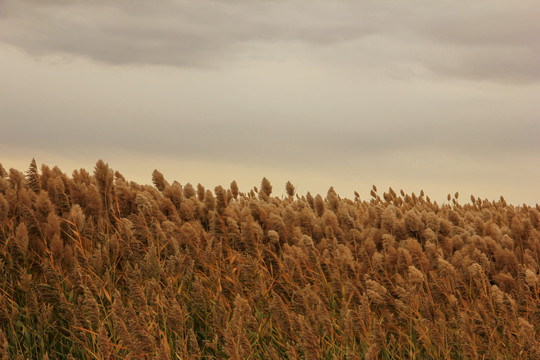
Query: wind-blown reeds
x: 93, y: 266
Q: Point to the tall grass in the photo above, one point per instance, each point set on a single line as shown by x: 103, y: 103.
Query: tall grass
x: 95, y: 267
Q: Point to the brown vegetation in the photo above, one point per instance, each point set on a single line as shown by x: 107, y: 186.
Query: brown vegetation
x: 95, y: 267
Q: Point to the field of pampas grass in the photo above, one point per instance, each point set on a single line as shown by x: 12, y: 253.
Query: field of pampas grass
x: 93, y: 266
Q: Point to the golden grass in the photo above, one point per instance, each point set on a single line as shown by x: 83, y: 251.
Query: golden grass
x: 95, y: 267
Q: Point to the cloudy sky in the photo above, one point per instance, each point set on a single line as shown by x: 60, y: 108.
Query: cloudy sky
x: 434, y: 95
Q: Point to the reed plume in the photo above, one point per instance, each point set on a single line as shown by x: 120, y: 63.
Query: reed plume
x: 32, y: 177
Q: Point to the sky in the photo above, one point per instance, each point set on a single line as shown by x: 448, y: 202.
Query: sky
x: 435, y: 95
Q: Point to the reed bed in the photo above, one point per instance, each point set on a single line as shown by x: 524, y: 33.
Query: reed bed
x: 94, y: 266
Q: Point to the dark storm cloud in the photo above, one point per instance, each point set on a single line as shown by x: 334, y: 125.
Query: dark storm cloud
x: 494, y: 40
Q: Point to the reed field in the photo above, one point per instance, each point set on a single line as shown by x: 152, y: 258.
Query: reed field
x: 94, y: 266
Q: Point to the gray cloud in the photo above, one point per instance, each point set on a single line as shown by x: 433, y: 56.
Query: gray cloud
x: 288, y: 144
x: 493, y: 40
x: 173, y: 33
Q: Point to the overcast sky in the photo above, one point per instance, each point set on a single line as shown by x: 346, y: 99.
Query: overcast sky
x: 436, y: 95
